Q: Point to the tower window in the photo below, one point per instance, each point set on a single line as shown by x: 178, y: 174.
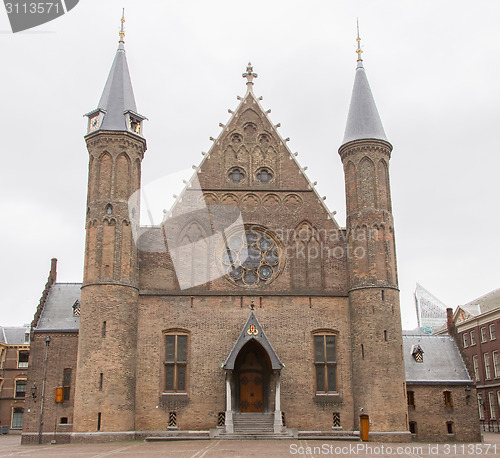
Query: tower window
x: 66, y: 384
x: 103, y: 330
x: 109, y: 209
x: 410, y: 396
x: 101, y: 381
x: 449, y: 427
x: 325, y: 361
x: 99, y: 418
x: 448, y: 400
x: 175, y: 362
x: 413, y: 427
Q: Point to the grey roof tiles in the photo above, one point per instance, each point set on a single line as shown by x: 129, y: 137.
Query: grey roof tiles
x: 363, y: 120
x: 14, y: 335
x: 441, y: 364
x: 118, y: 95
x: 57, y: 313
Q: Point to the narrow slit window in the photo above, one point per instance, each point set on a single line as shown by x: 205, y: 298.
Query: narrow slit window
x: 66, y: 385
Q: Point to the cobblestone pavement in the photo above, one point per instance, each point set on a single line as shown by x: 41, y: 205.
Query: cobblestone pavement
x: 10, y: 446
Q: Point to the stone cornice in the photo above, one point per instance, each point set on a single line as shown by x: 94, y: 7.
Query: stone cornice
x: 367, y: 145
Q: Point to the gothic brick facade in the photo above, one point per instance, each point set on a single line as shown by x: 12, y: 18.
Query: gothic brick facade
x: 166, y: 338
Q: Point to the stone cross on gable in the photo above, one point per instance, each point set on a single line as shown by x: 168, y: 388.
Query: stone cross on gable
x: 249, y: 74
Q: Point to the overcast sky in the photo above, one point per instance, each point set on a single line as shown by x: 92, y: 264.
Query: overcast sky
x: 433, y: 70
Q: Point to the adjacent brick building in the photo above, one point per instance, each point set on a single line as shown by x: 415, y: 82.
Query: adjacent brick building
x: 440, y: 392
x: 248, y: 305
x: 14, y: 355
x: 477, y: 324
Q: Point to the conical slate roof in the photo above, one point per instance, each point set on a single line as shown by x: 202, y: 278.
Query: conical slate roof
x: 118, y: 95
x: 363, y: 121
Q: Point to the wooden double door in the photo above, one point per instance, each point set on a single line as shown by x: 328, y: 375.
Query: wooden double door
x: 251, y: 391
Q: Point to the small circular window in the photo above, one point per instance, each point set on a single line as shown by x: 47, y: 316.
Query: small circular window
x: 264, y: 175
x: 251, y: 258
x: 236, y: 175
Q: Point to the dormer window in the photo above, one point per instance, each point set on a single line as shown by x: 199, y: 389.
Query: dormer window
x: 76, y: 308
x: 134, y: 121
x: 135, y: 125
x: 417, y: 353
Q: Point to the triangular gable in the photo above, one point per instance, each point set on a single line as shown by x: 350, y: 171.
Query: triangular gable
x: 461, y: 315
x: 250, y: 143
x: 252, y: 331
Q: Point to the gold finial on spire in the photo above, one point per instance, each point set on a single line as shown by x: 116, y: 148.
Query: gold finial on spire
x: 122, y: 28
x: 249, y: 75
x: 359, y: 50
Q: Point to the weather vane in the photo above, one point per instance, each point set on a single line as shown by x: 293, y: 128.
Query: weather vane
x: 359, y: 50
x: 122, y: 29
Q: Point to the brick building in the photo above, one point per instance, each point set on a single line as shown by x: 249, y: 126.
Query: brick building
x: 248, y: 308
x: 440, y: 392
x: 477, y: 324
x: 14, y: 355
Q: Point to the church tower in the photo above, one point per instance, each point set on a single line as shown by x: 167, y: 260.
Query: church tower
x: 105, y: 398
x: 377, y: 360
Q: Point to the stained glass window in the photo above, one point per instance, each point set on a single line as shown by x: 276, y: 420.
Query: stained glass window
x: 251, y: 258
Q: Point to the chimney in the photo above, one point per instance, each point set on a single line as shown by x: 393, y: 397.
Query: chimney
x: 450, y: 324
x: 53, y: 270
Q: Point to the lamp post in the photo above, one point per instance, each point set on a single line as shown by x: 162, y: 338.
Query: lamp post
x: 40, y: 424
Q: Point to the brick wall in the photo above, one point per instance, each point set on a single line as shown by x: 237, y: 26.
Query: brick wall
x: 431, y: 415
x: 62, y: 352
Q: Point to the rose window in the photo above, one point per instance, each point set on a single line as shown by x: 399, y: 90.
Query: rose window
x: 251, y: 258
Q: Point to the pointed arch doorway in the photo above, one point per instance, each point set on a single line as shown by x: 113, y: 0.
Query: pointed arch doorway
x: 253, y: 372
x: 252, y: 377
